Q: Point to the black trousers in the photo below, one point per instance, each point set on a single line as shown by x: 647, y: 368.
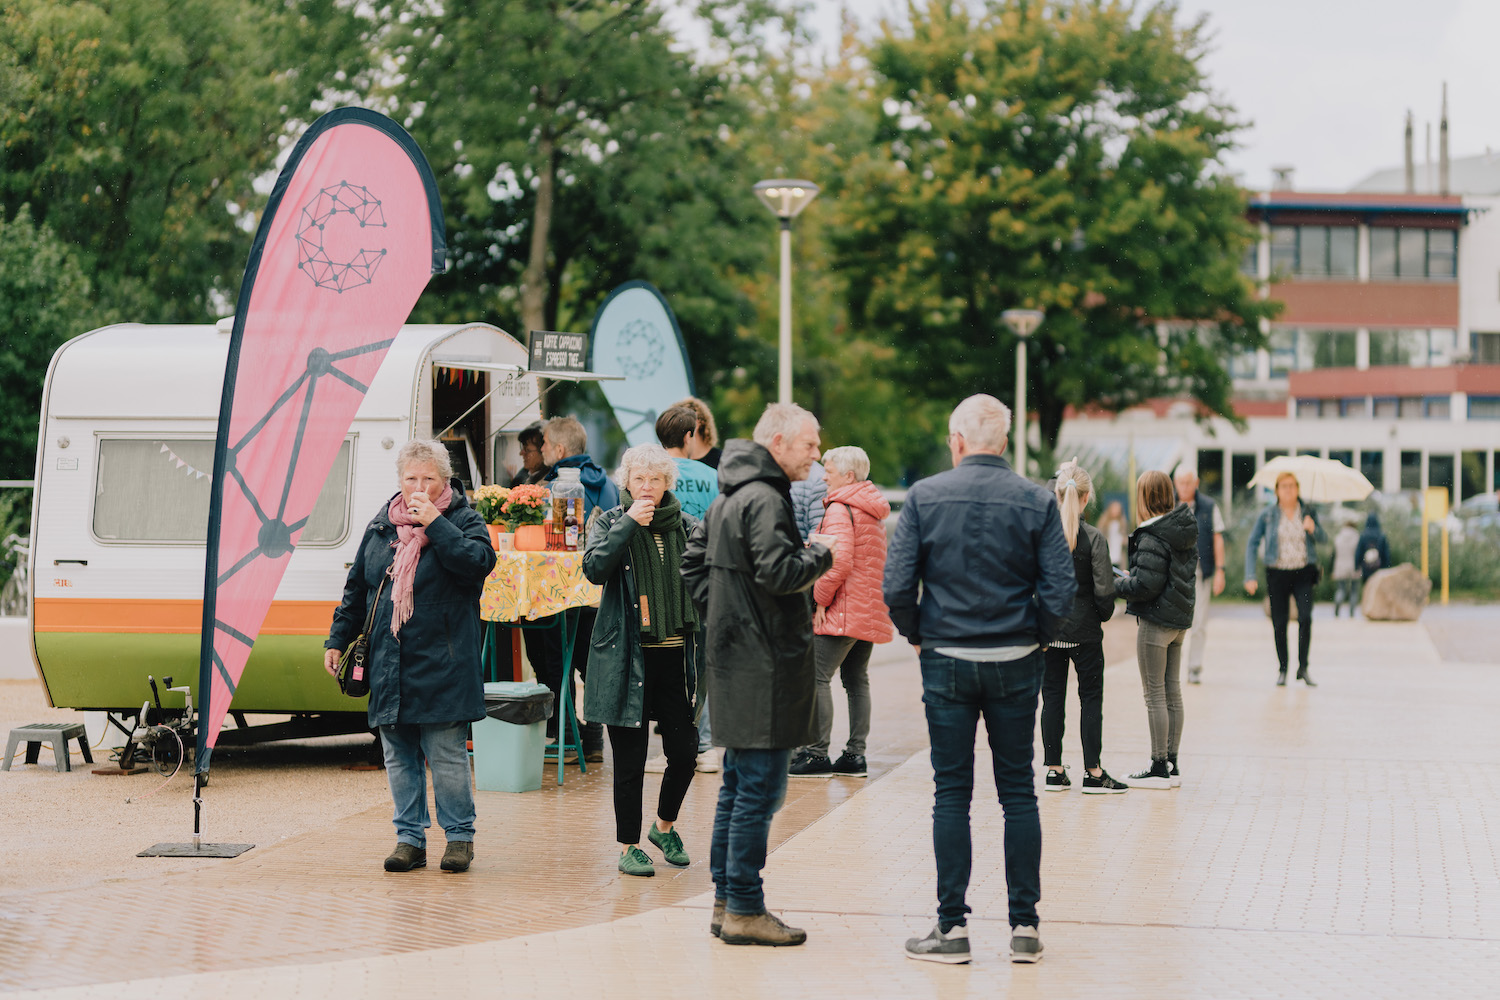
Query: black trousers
x: 1281, y: 586
x: 1088, y: 660
x: 665, y: 701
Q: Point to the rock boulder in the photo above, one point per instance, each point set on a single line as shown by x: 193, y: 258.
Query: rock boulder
x: 1397, y: 594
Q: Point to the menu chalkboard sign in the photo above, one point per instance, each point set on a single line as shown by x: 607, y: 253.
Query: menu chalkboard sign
x: 558, y: 352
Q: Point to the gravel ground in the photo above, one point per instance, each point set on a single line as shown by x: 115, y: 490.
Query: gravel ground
x: 69, y: 829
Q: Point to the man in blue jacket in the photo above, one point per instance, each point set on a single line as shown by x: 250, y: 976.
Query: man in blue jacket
x: 977, y: 578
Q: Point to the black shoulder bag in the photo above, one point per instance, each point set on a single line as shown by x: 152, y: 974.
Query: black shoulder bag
x: 354, y: 670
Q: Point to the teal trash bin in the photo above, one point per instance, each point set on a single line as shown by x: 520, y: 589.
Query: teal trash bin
x: 508, y: 742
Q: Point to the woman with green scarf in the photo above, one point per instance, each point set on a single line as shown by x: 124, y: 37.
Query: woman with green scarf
x: 644, y: 659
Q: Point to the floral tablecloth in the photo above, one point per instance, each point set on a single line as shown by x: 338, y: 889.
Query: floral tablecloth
x: 535, y: 584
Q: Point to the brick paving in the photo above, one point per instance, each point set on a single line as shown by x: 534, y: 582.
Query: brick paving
x: 1343, y: 841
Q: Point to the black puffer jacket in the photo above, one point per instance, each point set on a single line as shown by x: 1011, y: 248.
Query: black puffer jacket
x: 1095, y: 600
x: 1163, y: 570
x: 746, y: 566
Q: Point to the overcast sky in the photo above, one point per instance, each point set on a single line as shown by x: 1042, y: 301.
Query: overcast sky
x: 1326, y: 83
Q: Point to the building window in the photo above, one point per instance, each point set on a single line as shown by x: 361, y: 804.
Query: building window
x: 1241, y: 471
x: 1243, y: 365
x: 1411, y: 408
x: 1440, y: 472
x: 1314, y: 452
x: 1400, y: 348
x: 1353, y: 407
x: 1283, y: 348
x: 177, y: 475
x: 1372, y: 467
x: 1442, y: 345
x: 1484, y: 407
x: 1337, y: 455
x: 1211, y: 471
x: 1471, y: 474
x: 1386, y: 408
x: 1250, y: 260
x: 1413, y: 254
x: 1439, y: 408
x: 1325, y: 349
x: 1314, y: 251
x: 1411, y: 470
x: 1308, y: 408
x: 1485, y: 348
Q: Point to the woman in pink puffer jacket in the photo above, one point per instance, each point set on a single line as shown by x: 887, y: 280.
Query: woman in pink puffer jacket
x: 851, y: 614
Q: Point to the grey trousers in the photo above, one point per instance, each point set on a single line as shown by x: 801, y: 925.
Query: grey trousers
x: 850, y: 659
x: 1158, y: 652
x: 1197, y: 637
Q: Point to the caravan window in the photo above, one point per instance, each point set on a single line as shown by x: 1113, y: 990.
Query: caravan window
x: 156, y: 490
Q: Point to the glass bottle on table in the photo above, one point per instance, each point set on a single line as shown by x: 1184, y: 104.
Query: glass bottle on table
x: 567, y: 503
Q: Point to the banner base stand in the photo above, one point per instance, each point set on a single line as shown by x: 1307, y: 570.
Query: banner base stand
x: 112, y: 772
x: 191, y: 850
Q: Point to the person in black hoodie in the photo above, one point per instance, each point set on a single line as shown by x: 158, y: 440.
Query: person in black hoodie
x: 1160, y: 591
x: 1079, y: 639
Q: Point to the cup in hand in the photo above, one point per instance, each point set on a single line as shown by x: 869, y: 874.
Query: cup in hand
x: 829, y: 540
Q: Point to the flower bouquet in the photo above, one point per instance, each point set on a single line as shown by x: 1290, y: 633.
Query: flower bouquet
x: 527, y: 505
x: 489, y: 501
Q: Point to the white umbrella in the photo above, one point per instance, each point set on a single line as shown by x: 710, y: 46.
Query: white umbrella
x: 1319, y: 480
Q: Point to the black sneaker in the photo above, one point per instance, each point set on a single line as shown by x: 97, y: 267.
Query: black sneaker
x: 851, y: 765
x: 1173, y: 773
x: 1057, y: 781
x: 1025, y: 945
x: 951, y: 948
x: 1155, y: 776
x: 1102, y: 785
x: 811, y: 765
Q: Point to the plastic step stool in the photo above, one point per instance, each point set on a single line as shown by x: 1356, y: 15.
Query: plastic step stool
x: 56, y: 733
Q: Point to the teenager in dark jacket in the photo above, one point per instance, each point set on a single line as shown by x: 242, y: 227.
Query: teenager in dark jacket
x: 1160, y: 592
x: 1373, y: 553
x: 1079, y: 639
x: 748, y: 569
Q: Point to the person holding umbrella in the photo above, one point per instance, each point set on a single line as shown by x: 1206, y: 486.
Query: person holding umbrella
x: 1290, y: 531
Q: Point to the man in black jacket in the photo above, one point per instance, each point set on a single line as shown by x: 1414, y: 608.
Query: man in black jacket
x: 984, y: 550
x: 747, y: 567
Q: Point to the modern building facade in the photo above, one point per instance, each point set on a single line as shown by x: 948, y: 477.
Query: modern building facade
x: 1386, y: 355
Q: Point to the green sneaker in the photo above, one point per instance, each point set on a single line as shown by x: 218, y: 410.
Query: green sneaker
x: 671, y: 846
x: 635, y: 862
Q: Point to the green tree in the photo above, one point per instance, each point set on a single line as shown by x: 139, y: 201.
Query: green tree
x: 1064, y: 156
x: 44, y: 299
x: 579, y: 145
x: 135, y: 129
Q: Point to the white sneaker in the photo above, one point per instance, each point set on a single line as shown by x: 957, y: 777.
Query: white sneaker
x: 657, y: 764
x: 710, y: 760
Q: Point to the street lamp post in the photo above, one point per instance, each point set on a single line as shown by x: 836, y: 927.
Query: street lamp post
x: 786, y: 198
x: 1023, y: 323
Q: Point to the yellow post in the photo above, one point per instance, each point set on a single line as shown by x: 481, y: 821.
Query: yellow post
x: 1435, y: 509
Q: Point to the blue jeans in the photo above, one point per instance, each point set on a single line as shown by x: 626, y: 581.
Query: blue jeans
x: 754, y: 787
x: 444, y: 747
x: 955, y: 694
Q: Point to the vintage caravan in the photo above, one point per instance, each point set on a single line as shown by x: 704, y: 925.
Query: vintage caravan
x: 124, y: 469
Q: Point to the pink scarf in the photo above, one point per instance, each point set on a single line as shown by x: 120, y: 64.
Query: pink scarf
x: 411, y: 540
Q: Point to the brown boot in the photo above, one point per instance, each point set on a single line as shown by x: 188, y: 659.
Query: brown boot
x: 406, y: 857
x: 457, y: 856
x: 716, y: 922
x: 759, y: 928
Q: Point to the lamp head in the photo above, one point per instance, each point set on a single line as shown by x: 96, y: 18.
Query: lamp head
x: 786, y: 198
x: 1022, y: 322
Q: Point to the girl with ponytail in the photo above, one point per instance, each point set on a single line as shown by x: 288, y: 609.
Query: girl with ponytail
x: 1080, y: 640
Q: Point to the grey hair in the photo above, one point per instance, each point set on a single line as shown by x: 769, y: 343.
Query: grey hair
x: 646, y: 458
x: 1185, y: 469
x: 568, y: 435
x: 785, y: 419
x: 424, y: 450
x: 849, y: 460
x: 983, y: 421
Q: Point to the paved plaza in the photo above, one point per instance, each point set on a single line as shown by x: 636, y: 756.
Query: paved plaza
x: 1325, y: 843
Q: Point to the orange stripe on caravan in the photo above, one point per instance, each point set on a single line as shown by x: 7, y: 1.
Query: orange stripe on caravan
x: 77, y: 614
